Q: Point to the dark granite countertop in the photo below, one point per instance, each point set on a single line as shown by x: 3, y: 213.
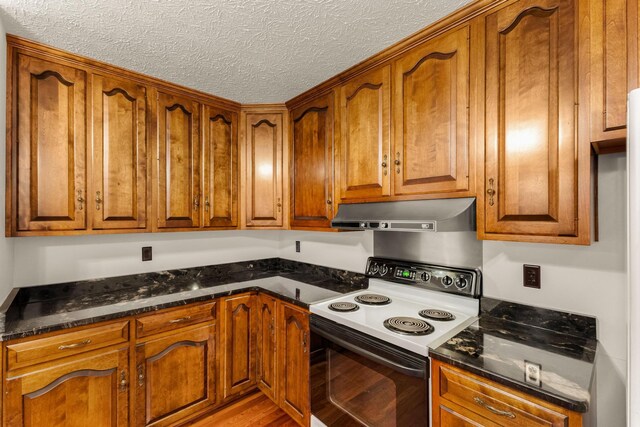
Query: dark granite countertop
x: 40, y: 309
x: 506, y: 335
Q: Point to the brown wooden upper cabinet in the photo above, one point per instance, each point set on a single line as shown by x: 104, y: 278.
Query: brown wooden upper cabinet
x: 537, y: 176
x: 264, y: 190
x: 614, y: 70
x: 220, y: 173
x: 48, y: 145
x: 431, y: 95
x: 364, y: 158
x: 119, y: 198
x: 178, y: 180
x: 311, y: 163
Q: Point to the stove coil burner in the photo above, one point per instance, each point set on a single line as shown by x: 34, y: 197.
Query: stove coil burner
x: 408, y: 326
x: 434, y: 314
x: 373, y: 299
x: 344, y: 307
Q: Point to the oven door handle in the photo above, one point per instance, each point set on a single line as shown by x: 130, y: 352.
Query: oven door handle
x: 413, y: 372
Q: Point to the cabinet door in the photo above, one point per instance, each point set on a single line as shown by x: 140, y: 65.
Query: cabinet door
x: 431, y: 117
x: 92, y: 388
x: 220, y: 153
x: 50, y: 144
x: 178, y: 162
x: 312, y: 164
x: 267, y: 346
x: 293, y: 353
x: 613, y: 70
x: 264, y: 170
x: 531, y: 169
x: 363, y: 153
x: 119, y: 154
x: 175, y: 376
x: 239, y: 336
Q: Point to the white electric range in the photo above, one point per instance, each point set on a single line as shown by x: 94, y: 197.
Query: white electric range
x: 369, y: 361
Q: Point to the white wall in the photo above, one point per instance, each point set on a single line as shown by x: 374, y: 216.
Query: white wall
x: 6, y: 245
x: 43, y: 260
x: 587, y: 280
x: 347, y: 251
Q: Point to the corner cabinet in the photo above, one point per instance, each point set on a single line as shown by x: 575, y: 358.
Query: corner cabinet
x: 263, y: 169
x: 537, y: 158
x: 311, y: 164
x: 47, y: 101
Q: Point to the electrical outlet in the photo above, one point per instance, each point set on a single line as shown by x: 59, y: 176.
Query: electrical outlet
x: 532, y: 373
x: 147, y: 254
x: 531, y: 276
x: 297, y: 245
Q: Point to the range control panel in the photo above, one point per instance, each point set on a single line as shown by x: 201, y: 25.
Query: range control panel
x: 461, y: 281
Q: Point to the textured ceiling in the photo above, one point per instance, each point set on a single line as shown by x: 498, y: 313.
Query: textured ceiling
x: 246, y: 50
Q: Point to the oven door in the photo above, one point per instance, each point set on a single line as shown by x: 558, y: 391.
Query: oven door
x: 359, y: 380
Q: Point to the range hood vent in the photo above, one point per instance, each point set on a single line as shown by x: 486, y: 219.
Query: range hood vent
x: 415, y: 215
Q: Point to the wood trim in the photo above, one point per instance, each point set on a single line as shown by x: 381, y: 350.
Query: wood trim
x: 92, y: 65
x: 454, y: 19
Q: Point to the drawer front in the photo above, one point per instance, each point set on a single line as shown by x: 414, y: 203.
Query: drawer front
x: 493, y: 403
x: 174, y: 319
x: 41, y: 350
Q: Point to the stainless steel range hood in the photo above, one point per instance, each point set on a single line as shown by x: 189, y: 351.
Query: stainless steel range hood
x: 414, y: 215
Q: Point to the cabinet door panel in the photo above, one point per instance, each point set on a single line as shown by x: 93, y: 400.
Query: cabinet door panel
x: 51, y: 146
x: 176, y: 376
x: 294, y: 355
x: 312, y: 164
x: 240, y: 345
x: 531, y: 167
x: 431, y: 102
x: 119, y: 154
x: 179, y: 162
x: 267, y: 346
x: 220, y: 168
x: 95, y: 388
x: 364, y: 153
x: 613, y: 69
x: 264, y: 170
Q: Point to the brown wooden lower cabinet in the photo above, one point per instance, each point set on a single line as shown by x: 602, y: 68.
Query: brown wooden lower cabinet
x: 175, y: 375
x: 180, y: 364
x: 239, y: 347
x: 460, y: 398
x: 70, y: 391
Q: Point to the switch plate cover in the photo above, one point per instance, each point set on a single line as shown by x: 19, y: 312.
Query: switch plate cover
x: 532, y: 373
x: 147, y: 253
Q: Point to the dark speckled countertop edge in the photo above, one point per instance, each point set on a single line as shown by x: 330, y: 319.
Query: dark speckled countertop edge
x: 443, y: 355
x: 148, y: 309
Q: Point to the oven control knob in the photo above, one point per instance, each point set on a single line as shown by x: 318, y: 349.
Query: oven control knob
x: 384, y: 270
x: 374, y: 268
x: 425, y: 277
x: 461, y: 283
x: 446, y: 281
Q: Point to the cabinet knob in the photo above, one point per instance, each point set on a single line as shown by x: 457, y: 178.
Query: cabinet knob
x: 491, y: 192
x: 329, y: 201
x: 140, y: 375
x: 397, y: 162
x: 80, y: 199
x: 304, y: 342
x: 123, y: 380
x: 279, y: 205
x: 196, y: 202
x: 98, y: 200
x: 206, y: 204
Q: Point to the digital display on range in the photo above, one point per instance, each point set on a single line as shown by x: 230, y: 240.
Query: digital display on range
x: 403, y: 273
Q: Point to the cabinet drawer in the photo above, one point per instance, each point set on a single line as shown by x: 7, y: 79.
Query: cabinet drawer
x: 174, y: 319
x: 67, y: 344
x: 494, y: 402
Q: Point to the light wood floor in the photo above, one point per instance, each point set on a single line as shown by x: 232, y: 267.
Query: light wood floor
x: 255, y: 411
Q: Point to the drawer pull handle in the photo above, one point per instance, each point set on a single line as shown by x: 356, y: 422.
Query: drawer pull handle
x: 494, y: 410
x: 74, y: 345
x: 181, y: 319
